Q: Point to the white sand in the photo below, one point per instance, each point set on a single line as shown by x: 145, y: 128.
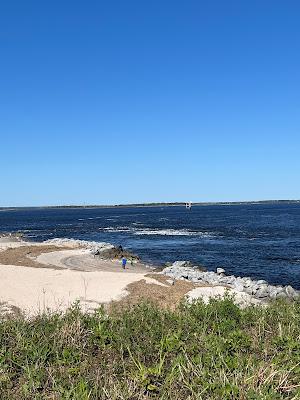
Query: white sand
x: 40, y: 289
x: 59, y: 258
x: 80, y: 277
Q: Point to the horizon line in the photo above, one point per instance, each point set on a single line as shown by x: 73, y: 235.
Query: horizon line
x: 158, y: 203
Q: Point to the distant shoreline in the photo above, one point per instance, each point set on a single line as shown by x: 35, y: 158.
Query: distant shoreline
x: 175, y: 204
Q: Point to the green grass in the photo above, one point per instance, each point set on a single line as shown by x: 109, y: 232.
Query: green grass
x: 214, y: 351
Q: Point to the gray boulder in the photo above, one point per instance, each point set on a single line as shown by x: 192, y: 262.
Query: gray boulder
x: 262, y: 292
x: 274, y: 291
x: 238, y: 286
x: 281, y: 294
x: 182, y: 264
x: 261, y: 282
x: 220, y: 271
x: 247, y: 282
x: 291, y: 292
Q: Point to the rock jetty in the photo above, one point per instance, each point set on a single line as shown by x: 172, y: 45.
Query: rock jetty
x: 100, y: 249
x: 89, y: 245
x: 259, y: 289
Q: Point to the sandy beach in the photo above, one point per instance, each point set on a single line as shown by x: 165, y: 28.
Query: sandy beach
x: 53, y: 275
x: 38, y: 277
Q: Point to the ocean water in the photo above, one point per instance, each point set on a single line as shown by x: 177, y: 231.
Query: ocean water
x: 261, y: 241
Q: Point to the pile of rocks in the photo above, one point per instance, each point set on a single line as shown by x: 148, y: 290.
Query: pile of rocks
x: 115, y: 253
x: 94, y: 247
x: 260, y: 289
x: 103, y: 250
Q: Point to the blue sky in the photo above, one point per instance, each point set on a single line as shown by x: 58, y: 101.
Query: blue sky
x: 105, y: 102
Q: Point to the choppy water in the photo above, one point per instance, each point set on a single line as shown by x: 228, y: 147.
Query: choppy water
x: 261, y: 241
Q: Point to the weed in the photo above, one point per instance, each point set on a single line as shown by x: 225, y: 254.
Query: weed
x: 198, y: 351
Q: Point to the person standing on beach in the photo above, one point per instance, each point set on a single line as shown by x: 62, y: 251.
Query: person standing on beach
x: 124, y: 261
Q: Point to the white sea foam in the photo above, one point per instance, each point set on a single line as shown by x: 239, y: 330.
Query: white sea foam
x: 118, y: 229
x: 158, y: 232
x: 171, y: 232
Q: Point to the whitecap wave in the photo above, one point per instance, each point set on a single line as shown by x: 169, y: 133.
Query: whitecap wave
x: 158, y: 232
x: 118, y: 229
x: 171, y: 232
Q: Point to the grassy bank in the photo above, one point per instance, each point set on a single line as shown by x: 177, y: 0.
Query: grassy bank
x: 195, y: 352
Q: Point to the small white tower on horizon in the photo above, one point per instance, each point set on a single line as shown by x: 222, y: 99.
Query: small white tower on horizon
x: 188, y: 205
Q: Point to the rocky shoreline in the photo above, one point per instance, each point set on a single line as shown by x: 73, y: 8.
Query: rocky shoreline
x: 182, y: 270
x: 259, y: 289
x: 103, y: 250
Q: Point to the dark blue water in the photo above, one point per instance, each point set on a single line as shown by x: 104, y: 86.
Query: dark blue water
x: 261, y: 241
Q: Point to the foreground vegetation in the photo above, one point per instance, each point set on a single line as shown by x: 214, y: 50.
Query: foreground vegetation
x: 195, y: 352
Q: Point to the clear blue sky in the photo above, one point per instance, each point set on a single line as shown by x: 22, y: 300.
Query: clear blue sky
x: 134, y: 101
